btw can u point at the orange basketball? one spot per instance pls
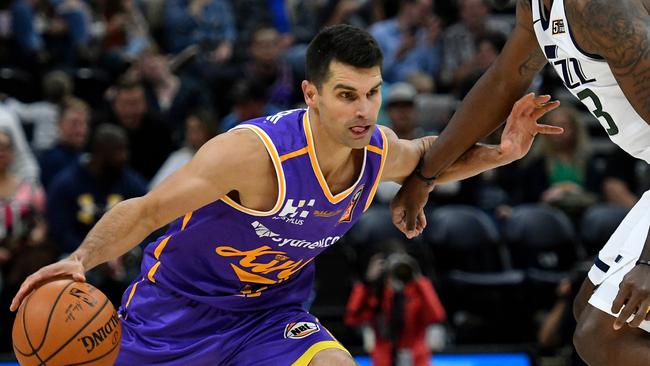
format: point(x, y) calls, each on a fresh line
point(66, 323)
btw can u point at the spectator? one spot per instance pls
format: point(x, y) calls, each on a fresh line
point(126, 33)
point(83, 192)
point(307, 17)
point(250, 101)
point(209, 23)
point(400, 304)
point(200, 126)
point(149, 136)
point(625, 178)
point(555, 334)
point(400, 107)
point(24, 164)
point(410, 42)
point(18, 196)
point(43, 115)
point(22, 242)
point(73, 133)
point(170, 95)
point(562, 172)
point(460, 39)
point(488, 47)
point(249, 14)
point(29, 42)
point(80, 195)
point(266, 66)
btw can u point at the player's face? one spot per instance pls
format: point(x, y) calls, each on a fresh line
point(348, 103)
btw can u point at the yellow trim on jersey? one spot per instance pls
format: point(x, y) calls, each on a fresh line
point(135, 285)
point(186, 220)
point(160, 247)
point(306, 357)
point(384, 153)
point(275, 157)
point(293, 154)
point(152, 271)
point(375, 149)
point(319, 174)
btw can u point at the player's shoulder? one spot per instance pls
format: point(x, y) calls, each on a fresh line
point(384, 137)
point(280, 118)
point(242, 140)
point(387, 133)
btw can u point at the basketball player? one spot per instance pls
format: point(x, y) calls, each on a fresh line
point(225, 285)
point(601, 49)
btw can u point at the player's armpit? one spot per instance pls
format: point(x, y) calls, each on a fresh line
point(619, 31)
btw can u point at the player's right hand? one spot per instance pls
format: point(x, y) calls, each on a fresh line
point(68, 267)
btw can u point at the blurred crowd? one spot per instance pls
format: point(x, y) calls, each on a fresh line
point(100, 100)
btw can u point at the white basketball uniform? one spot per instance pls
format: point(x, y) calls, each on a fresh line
point(590, 79)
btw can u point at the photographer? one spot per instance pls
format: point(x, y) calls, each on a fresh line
point(399, 304)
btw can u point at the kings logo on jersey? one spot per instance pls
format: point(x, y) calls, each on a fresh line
point(347, 214)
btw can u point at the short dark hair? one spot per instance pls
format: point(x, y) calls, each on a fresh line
point(496, 39)
point(344, 43)
point(108, 135)
point(128, 82)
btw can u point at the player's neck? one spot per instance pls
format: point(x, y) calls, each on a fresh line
point(331, 155)
point(547, 4)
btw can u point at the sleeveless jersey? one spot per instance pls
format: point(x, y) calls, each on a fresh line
point(590, 79)
point(239, 259)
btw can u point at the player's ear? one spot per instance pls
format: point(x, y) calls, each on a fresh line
point(310, 92)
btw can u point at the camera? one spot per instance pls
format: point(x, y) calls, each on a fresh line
point(401, 268)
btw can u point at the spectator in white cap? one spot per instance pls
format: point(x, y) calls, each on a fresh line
point(400, 107)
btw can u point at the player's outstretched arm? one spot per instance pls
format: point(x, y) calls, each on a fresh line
point(516, 140)
point(223, 164)
point(492, 97)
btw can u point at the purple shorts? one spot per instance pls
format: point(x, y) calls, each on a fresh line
point(161, 328)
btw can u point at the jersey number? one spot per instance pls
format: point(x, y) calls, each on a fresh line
point(611, 129)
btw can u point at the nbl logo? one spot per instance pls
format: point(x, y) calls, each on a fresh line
point(298, 330)
point(294, 211)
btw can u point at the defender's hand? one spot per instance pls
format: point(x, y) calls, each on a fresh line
point(521, 125)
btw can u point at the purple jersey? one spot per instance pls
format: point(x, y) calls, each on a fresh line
point(238, 259)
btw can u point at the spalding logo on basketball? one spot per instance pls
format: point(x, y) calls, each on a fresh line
point(66, 323)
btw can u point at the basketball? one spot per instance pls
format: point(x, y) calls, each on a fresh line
point(66, 323)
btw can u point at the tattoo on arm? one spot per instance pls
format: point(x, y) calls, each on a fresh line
point(533, 64)
point(618, 29)
point(535, 60)
point(620, 32)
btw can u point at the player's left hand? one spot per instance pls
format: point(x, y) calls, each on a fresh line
point(633, 297)
point(522, 127)
point(407, 207)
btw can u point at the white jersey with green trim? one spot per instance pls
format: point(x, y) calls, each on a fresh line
point(590, 79)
